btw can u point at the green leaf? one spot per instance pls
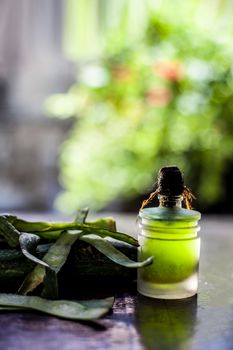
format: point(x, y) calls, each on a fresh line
point(9, 308)
point(73, 310)
point(106, 248)
point(116, 235)
point(28, 243)
point(91, 303)
point(58, 252)
point(50, 290)
point(105, 223)
point(10, 254)
point(49, 230)
point(9, 232)
point(97, 302)
point(81, 215)
point(43, 248)
point(55, 258)
point(32, 280)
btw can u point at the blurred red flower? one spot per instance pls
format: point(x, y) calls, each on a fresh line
point(170, 70)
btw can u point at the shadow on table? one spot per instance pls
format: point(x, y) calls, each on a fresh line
point(166, 324)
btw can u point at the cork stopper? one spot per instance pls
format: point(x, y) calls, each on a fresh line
point(170, 181)
point(170, 189)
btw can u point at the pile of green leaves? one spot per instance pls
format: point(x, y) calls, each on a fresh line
point(24, 237)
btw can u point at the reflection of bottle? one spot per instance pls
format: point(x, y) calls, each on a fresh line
point(169, 234)
point(166, 324)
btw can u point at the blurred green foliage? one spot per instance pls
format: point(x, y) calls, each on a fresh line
point(166, 100)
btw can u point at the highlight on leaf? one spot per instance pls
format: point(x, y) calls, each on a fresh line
point(72, 310)
point(28, 244)
point(106, 248)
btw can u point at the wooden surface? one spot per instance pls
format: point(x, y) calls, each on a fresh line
point(204, 322)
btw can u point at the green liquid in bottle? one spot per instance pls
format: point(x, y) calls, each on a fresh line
point(170, 236)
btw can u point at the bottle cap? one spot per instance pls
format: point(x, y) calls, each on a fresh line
point(170, 181)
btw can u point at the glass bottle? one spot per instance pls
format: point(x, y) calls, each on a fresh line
point(169, 233)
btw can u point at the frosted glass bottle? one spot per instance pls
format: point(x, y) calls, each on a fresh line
point(170, 235)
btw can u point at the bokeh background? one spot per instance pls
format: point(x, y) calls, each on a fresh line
point(97, 95)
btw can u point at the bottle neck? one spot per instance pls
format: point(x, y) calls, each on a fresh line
point(170, 201)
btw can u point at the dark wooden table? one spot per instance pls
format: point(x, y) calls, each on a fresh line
point(202, 322)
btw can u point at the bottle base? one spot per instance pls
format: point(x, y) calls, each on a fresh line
point(181, 290)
